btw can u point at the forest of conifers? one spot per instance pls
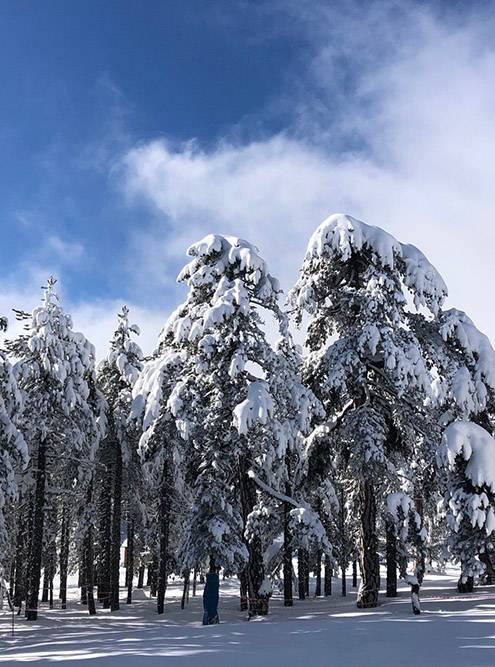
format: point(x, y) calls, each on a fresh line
point(232, 448)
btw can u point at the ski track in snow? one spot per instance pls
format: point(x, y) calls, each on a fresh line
point(452, 631)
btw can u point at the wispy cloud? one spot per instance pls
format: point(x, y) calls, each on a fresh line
point(65, 251)
point(392, 122)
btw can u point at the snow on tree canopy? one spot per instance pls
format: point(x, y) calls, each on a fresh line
point(256, 408)
point(476, 446)
point(236, 273)
point(13, 448)
point(231, 252)
point(340, 236)
point(53, 355)
point(457, 326)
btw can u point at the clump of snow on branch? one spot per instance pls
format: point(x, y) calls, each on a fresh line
point(258, 407)
point(477, 447)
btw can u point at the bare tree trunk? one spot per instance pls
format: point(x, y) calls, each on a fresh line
point(368, 557)
point(195, 575)
point(153, 575)
point(130, 559)
point(34, 571)
point(391, 557)
point(116, 526)
point(140, 581)
point(354, 574)
point(64, 555)
point(185, 589)
point(89, 570)
point(318, 575)
point(105, 530)
point(287, 564)
point(50, 592)
point(164, 537)
point(302, 564)
point(489, 569)
point(420, 565)
point(344, 581)
point(258, 602)
point(343, 555)
point(465, 584)
point(20, 560)
point(12, 578)
point(82, 576)
point(243, 590)
point(44, 594)
point(327, 586)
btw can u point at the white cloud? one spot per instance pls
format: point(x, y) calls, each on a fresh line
point(422, 108)
point(64, 251)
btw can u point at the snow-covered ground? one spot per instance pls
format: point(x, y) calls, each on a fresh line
point(453, 631)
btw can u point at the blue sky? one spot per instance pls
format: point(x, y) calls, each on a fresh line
point(83, 81)
point(130, 129)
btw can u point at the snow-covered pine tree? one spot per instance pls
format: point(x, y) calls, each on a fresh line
point(464, 363)
point(60, 421)
point(286, 515)
point(372, 379)
point(469, 458)
point(222, 391)
point(161, 452)
point(120, 474)
point(13, 455)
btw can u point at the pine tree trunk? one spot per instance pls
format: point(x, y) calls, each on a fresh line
point(354, 574)
point(12, 578)
point(104, 573)
point(44, 594)
point(34, 569)
point(89, 572)
point(301, 572)
point(258, 602)
point(64, 556)
point(195, 576)
point(116, 525)
point(50, 592)
point(327, 586)
point(368, 547)
point(153, 575)
point(130, 559)
point(185, 589)
point(25, 555)
point(287, 563)
point(420, 567)
point(484, 558)
point(391, 557)
point(343, 541)
point(318, 575)
point(465, 584)
point(140, 581)
point(243, 590)
point(164, 537)
point(82, 576)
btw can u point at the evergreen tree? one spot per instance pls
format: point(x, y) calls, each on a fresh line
point(60, 420)
point(120, 474)
point(464, 362)
point(13, 453)
point(372, 380)
point(218, 397)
